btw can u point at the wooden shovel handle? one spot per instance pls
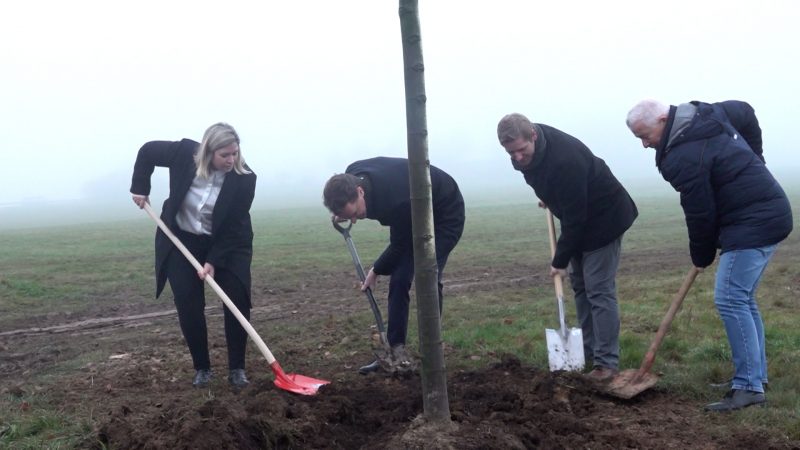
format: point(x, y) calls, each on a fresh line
point(650, 357)
point(210, 280)
point(551, 228)
point(557, 280)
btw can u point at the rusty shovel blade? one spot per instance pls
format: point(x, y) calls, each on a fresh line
point(629, 383)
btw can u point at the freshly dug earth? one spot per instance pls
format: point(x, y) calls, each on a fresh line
point(505, 406)
point(139, 395)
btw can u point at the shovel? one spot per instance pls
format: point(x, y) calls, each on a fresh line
point(362, 276)
point(298, 384)
point(631, 382)
point(390, 360)
point(565, 345)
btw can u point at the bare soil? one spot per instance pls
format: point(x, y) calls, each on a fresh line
point(140, 397)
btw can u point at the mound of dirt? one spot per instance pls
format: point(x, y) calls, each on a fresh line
point(506, 406)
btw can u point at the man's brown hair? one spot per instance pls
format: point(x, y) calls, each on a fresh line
point(340, 190)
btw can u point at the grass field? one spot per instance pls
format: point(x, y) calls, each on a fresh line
point(498, 300)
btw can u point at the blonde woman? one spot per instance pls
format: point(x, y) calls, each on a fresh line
point(208, 209)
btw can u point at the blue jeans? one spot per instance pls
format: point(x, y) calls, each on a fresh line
point(738, 275)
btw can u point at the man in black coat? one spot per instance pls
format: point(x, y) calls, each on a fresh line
point(378, 189)
point(594, 210)
point(712, 155)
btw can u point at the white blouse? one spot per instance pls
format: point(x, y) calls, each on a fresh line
point(196, 211)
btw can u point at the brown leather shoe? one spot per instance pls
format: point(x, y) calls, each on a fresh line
point(602, 374)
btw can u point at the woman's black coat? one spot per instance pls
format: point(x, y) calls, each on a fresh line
point(231, 230)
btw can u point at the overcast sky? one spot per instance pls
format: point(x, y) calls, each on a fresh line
point(313, 85)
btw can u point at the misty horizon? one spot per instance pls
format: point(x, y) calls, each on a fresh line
point(116, 205)
point(312, 86)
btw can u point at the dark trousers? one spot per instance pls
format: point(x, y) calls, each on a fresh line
point(593, 277)
point(400, 285)
point(189, 292)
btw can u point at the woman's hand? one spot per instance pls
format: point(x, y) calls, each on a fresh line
point(140, 200)
point(208, 269)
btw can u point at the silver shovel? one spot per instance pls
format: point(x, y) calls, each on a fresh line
point(565, 345)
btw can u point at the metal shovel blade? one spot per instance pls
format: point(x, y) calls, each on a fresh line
point(630, 383)
point(565, 346)
point(292, 382)
point(565, 352)
point(397, 361)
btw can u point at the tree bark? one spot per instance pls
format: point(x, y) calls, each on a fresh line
point(434, 376)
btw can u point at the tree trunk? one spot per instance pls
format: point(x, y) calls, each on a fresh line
point(434, 376)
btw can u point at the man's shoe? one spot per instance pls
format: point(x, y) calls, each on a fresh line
point(371, 367)
point(737, 399)
point(602, 374)
point(202, 378)
point(237, 378)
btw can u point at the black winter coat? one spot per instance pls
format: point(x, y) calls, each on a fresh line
point(730, 199)
point(579, 189)
point(231, 229)
point(388, 201)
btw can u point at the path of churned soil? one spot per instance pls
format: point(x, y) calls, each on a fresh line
point(140, 396)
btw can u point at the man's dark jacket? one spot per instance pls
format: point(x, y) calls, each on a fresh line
point(387, 197)
point(712, 155)
point(231, 231)
point(579, 188)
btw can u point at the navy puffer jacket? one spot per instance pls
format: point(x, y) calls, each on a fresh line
point(730, 199)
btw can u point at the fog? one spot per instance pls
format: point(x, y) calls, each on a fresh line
point(314, 85)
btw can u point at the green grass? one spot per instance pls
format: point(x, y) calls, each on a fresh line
point(82, 269)
point(28, 422)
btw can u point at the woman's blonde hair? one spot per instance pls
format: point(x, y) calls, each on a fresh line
point(216, 137)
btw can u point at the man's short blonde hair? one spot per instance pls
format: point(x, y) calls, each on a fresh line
point(514, 126)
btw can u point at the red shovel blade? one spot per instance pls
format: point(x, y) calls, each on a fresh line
point(299, 384)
